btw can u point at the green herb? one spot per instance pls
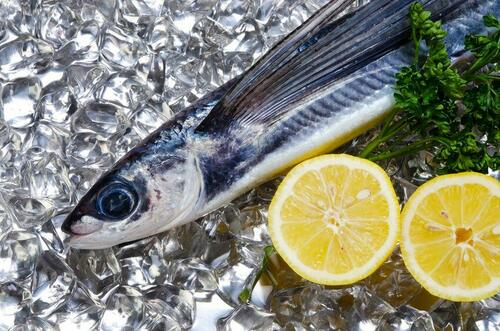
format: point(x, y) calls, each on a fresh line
point(247, 292)
point(437, 108)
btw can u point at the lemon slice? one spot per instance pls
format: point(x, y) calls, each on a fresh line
point(334, 219)
point(451, 236)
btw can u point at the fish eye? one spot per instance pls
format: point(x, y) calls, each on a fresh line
point(116, 201)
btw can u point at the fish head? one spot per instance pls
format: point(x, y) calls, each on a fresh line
point(135, 201)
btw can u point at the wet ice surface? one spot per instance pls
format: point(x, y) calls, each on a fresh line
point(84, 81)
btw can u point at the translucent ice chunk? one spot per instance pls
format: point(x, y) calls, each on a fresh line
point(50, 237)
point(185, 241)
point(5, 221)
point(10, 156)
point(249, 223)
point(488, 315)
point(80, 311)
point(104, 120)
point(171, 301)
point(29, 212)
point(157, 322)
point(183, 20)
point(86, 150)
point(13, 298)
point(18, 100)
point(210, 307)
point(234, 277)
point(393, 282)
point(124, 89)
point(52, 283)
point(121, 145)
point(165, 36)
point(90, 12)
point(57, 105)
point(14, 304)
point(10, 9)
point(43, 139)
point(98, 270)
point(84, 79)
point(83, 47)
point(406, 318)
point(446, 315)
point(83, 178)
point(57, 23)
point(288, 304)
point(264, 9)
point(23, 56)
point(132, 271)
point(18, 253)
point(148, 118)
point(247, 317)
point(367, 310)
point(231, 12)
point(192, 274)
point(140, 12)
point(34, 324)
point(49, 179)
point(119, 48)
point(124, 309)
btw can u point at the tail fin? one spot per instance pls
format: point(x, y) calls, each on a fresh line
point(322, 51)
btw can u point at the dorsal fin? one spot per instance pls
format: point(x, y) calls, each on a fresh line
point(322, 51)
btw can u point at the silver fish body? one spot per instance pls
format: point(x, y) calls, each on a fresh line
point(326, 83)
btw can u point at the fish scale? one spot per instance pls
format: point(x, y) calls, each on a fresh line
point(324, 84)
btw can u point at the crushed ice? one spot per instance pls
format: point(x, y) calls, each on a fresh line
point(84, 81)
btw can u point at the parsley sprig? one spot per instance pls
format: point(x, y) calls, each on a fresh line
point(454, 114)
point(246, 294)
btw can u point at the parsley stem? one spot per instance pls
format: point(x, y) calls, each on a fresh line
point(404, 135)
point(389, 120)
point(416, 43)
point(479, 63)
point(401, 124)
point(398, 140)
point(246, 294)
point(415, 37)
point(384, 135)
point(370, 147)
point(415, 147)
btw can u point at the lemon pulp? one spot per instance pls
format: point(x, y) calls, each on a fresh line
point(335, 219)
point(451, 236)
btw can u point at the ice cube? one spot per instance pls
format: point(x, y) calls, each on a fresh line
point(18, 99)
point(52, 283)
point(124, 310)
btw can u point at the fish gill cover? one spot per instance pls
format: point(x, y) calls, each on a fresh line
point(84, 81)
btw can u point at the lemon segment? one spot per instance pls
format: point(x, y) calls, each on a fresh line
point(334, 219)
point(450, 237)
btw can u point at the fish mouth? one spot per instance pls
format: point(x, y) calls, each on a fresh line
point(84, 235)
point(73, 238)
point(87, 242)
point(76, 225)
point(66, 226)
point(86, 232)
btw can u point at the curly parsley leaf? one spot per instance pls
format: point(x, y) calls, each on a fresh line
point(440, 109)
